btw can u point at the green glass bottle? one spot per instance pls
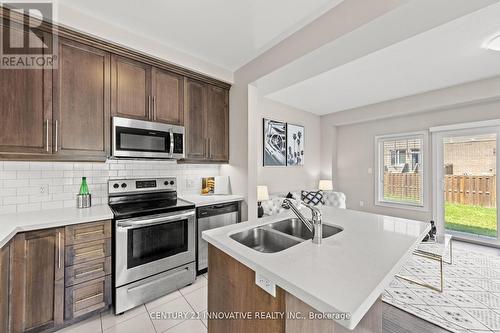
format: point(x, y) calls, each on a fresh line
point(84, 189)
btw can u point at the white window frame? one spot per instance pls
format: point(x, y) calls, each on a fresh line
point(379, 171)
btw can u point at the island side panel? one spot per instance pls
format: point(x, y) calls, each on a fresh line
point(371, 322)
point(231, 289)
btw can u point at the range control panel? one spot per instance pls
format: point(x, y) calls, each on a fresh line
point(141, 185)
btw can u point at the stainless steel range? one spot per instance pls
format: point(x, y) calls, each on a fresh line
point(154, 240)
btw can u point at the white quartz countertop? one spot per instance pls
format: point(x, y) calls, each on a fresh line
point(205, 200)
point(10, 224)
point(347, 273)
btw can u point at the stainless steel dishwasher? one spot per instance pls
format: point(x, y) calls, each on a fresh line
point(211, 217)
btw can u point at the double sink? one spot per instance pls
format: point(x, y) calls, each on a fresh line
point(280, 235)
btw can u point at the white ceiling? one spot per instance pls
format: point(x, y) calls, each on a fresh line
point(222, 32)
point(447, 55)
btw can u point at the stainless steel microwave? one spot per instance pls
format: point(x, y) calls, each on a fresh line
point(145, 139)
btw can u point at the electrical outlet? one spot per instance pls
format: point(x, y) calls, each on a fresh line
point(266, 284)
point(189, 183)
point(44, 189)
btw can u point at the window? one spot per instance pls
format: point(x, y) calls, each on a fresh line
point(400, 170)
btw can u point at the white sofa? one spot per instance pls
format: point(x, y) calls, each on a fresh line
point(274, 205)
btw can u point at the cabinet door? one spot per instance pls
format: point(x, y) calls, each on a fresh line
point(196, 120)
point(130, 88)
point(82, 102)
point(218, 123)
point(4, 288)
point(25, 107)
point(168, 94)
point(37, 280)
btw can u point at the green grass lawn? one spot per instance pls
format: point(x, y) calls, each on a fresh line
point(471, 219)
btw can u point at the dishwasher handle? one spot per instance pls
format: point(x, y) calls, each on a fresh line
point(217, 209)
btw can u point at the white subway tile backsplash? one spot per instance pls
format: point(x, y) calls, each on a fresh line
point(8, 175)
point(21, 183)
point(17, 166)
point(7, 192)
point(41, 165)
point(40, 198)
point(31, 190)
point(116, 166)
point(9, 183)
point(16, 200)
point(52, 174)
point(28, 174)
point(29, 207)
point(52, 205)
point(82, 166)
point(6, 209)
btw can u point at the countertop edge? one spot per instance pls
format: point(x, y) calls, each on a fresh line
point(106, 214)
point(212, 200)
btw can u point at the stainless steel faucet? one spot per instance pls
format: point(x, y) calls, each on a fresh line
point(316, 227)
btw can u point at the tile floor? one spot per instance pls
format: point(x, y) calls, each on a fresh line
point(192, 298)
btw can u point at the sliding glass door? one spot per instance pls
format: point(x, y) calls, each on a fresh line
point(466, 179)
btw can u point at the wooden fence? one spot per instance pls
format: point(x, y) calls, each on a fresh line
point(467, 190)
point(404, 186)
point(471, 190)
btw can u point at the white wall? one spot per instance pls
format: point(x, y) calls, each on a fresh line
point(22, 183)
point(349, 151)
point(242, 168)
point(284, 179)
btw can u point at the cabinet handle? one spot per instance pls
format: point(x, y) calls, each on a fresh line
point(57, 143)
point(149, 107)
point(59, 249)
point(154, 107)
point(209, 148)
point(47, 134)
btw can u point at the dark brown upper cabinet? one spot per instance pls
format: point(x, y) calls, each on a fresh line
point(37, 281)
point(218, 123)
point(207, 122)
point(196, 144)
point(130, 88)
point(144, 92)
point(168, 97)
point(65, 113)
point(81, 102)
point(25, 107)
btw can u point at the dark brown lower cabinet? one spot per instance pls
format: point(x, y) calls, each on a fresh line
point(87, 297)
point(37, 281)
point(88, 270)
point(4, 288)
point(53, 284)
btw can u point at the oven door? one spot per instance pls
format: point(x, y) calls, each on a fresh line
point(150, 245)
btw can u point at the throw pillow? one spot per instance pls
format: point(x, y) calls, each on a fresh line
point(312, 197)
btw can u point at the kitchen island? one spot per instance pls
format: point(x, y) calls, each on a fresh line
point(333, 287)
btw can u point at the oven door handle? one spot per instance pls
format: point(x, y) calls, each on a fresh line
point(154, 221)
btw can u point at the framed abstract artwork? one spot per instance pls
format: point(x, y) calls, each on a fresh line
point(274, 143)
point(295, 145)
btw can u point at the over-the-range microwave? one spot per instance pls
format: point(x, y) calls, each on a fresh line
point(145, 139)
